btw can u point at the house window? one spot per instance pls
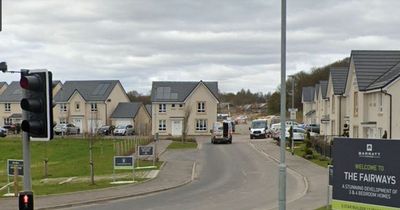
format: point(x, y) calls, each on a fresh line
point(380, 102)
point(333, 104)
point(63, 121)
point(180, 105)
point(63, 107)
point(201, 106)
point(7, 107)
point(77, 106)
point(355, 111)
point(173, 105)
point(93, 107)
point(162, 126)
point(7, 121)
point(162, 108)
point(201, 125)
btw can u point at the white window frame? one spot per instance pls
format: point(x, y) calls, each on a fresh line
point(162, 125)
point(201, 106)
point(8, 121)
point(162, 108)
point(201, 125)
point(63, 107)
point(63, 121)
point(93, 107)
point(7, 107)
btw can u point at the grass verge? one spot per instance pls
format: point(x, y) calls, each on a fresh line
point(324, 208)
point(68, 157)
point(318, 159)
point(182, 145)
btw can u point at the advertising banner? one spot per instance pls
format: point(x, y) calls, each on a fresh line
point(11, 163)
point(366, 174)
point(123, 162)
point(145, 151)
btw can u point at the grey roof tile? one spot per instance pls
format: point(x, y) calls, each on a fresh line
point(177, 91)
point(91, 90)
point(386, 78)
point(372, 64)
point(324, 87)
point(13, 93)
point(339, 79)
point(148, 108)
point(308, 94)
point(126, 110)
point(2, 84)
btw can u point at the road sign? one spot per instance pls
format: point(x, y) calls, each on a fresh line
point(10, 167)
point(293, 110)
point(123, 162)
point(366, 174)
point(145, 151)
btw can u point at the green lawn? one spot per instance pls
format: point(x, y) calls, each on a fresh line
point(68, 157)
point(182, 145)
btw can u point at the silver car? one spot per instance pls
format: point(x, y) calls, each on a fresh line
point(67, 129)
point(124, 130)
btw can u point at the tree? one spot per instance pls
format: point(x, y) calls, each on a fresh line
point(135, 96)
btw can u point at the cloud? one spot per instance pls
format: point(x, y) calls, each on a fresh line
point(234, 42)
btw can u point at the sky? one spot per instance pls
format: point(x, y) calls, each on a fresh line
point(234, 42)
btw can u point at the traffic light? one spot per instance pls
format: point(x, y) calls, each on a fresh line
point(25, 200)
point(37, 102)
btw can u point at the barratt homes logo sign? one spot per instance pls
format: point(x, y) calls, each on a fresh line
point(369, 153)
point(366, 174)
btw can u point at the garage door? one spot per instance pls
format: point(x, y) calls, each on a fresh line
point(122, 122)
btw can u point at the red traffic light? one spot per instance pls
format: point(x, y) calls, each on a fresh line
point(26, 199)
point(31, 82)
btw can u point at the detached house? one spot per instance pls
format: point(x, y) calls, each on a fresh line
point(179, 107)
point(322, 107)
point(88, 104)
point(132, 113)
point(372, 91)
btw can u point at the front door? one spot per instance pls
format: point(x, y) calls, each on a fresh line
point(78, 123)
point(176, 127)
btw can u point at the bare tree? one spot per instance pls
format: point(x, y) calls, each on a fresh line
point(185, 125)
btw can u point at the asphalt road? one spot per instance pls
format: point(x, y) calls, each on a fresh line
point(229, 176)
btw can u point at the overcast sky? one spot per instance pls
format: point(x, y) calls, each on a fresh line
point(234, 42)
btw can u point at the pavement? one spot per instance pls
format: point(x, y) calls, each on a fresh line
point(315, 177)
point(174, 173)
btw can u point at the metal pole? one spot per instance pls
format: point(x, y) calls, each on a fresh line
point(282, 165)
point(292, 111)
point(26, 152)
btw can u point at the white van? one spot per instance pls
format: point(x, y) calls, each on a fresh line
point(221, 132)
point(258, 128)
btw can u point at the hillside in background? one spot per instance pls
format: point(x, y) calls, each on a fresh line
point(301, 79)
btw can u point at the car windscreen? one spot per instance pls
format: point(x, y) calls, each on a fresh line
point(218, 127)
point(258, 124)
point(121, 127)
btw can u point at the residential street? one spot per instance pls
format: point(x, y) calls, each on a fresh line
point(235, 176)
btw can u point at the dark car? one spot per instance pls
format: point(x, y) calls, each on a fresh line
point(105, 130)
point(312, 128)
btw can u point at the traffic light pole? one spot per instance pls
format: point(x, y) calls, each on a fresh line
point(26, 151)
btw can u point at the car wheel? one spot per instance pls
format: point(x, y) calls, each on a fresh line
point(251, 137)
point(265, 136)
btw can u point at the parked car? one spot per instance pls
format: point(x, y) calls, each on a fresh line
point(258, 128)
point(124, 130)
point(3, 132)
point(11, 128)
point(105, 130)
point(312, 128)
point(66, 129)
point(222, 132)
point(298, 134)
